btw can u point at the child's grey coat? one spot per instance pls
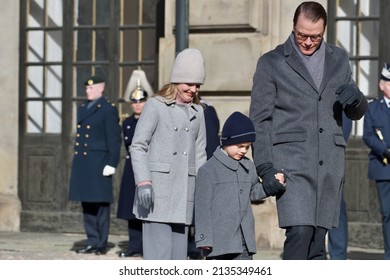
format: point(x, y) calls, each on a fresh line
point(224, 189)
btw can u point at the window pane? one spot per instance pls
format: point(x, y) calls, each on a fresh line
point(84, 12)
point(130, 12)
point(35, 81)
point(346, 8)
point(54, 46)
point(35, 41)
point(102, 44)
point(54, 10)
point(34, 117)
point(148, 49)
point(369, 41)
point(83, 45)
point(36, 17)
point(53, 117)
point(149, 11)
point(369, 77)
point(102, 12)
point(369, 7)
point(346, 37)
point(54, 81)
point(129, 45)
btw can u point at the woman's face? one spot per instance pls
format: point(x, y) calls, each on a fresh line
point(186, 93)
point(137, 107)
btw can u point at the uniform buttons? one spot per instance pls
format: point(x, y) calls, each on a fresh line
point(321, 130)
point(126, 137)
point(85, 153)
point(86, 135)
point(78, 126)
point(184, 153)
point(127, 157)
point(88, 126)
point(76, 152)
point(78, 135)
point(77, 143)
point(186, 129)
point(321, 162)
point(175, 128)
point(128, 127)
point(85, 145)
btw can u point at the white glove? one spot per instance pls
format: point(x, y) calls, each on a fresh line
point(108, 170)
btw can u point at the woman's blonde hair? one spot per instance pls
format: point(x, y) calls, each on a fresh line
point(169, 91)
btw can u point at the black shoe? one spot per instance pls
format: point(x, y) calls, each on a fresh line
point(86, 250)
point(100, 251)
point(127, 254)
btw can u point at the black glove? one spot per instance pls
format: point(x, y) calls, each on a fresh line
point(271, 185)
point(386, 154)
point(348, 95)
point(145, 195)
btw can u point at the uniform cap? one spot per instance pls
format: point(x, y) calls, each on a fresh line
point(385, 74)
point(93, 80)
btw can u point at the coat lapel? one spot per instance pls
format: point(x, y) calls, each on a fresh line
point(328, 67)
point(85, 113)
point(295, 62)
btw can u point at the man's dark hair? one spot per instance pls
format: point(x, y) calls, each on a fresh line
point(312, 10)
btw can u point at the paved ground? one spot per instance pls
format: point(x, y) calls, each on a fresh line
point(62, 246)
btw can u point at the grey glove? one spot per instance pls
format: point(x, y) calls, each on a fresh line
point(348, 95)
point(271, 185)
point(145, 195)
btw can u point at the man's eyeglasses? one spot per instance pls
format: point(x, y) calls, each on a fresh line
point(303, 37)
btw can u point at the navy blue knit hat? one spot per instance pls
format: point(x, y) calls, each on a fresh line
point(237, 129)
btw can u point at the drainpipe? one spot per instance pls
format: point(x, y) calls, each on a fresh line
point(182, 24)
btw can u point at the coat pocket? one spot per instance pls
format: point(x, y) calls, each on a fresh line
point(163, 167)
point(339, 140)
point(289, 137)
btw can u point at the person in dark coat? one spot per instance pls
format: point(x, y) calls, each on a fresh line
point(300, 90)
point(225, 186)
point(96, 156)
point(127, 190)
point(376, 135)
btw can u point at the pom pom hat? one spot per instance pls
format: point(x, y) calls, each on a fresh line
point(188, 68)
point(237, 129)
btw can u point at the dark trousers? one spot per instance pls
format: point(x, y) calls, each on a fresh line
point(304, 243)
point(135, 236)
point(96, 223)
point(338, 237)
point(383, 189)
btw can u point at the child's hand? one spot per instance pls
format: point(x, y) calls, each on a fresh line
point(205, 248)
point(280, 177)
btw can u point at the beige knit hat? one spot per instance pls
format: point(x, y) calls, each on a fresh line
point(188, 68)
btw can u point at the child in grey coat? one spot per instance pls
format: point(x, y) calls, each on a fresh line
point(225, 186)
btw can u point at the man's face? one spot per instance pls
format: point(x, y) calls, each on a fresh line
point(94, 91)
point(237, 151)
point(385, 88)
point(308, 34)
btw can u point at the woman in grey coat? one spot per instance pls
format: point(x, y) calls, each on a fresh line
point(169, 146)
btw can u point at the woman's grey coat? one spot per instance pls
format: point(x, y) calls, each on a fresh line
point(224, 190)
point(298, 129)
point(169, 146)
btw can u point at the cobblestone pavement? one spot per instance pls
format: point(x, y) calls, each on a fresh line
point(62, 246)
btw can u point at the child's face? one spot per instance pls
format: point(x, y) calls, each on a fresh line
point(237, 151)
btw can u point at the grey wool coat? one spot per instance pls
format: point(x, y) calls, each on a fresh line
point(224, 190)
point(299, 129)
point(169, 145)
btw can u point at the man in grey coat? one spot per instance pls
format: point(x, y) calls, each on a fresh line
point(299, 92)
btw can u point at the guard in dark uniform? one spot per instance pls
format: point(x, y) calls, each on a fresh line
point(376, 135)
point(96, 156)
point(137, 100)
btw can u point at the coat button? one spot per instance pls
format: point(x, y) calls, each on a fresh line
point(78, 126)
point(128, 127)
point(86, 135)
point(186, 129)
point(88, 126)
point(77, 143)
point(184, 153)
point(85, 153)
point(174, 153)
point(126, 137)
point(78, 135)
point(76, 152)
point(241, 191)
point(175, 128)
point(321, 162)
point(127, 157)
point(321, 130)
point(85, 145)
point(201, 236)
